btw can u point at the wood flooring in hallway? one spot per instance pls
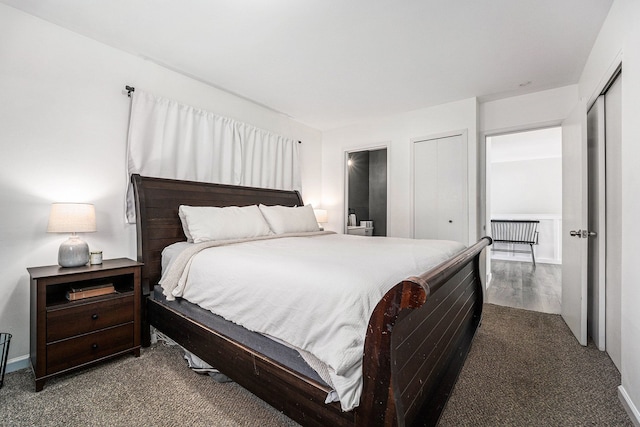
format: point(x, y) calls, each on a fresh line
point(520, 285)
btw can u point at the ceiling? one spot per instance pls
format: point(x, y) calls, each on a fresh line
point(328, 63)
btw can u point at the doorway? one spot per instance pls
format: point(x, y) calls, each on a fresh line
point(366, 194)
point(524, 184)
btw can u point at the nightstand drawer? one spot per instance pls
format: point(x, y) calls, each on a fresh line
point(76, 351)
point(80, 319)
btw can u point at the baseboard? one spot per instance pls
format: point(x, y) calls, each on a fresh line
point(17, 363)
point(525, 259)
point(628, 405)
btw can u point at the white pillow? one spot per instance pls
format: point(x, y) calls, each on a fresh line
point(284, 219)
point(183, 220)
point(204, 223)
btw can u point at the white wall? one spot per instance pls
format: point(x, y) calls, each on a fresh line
point(529, 189)
point(396, 132)
point(63, 127)
point(526, 186)
point(534, 110)
point(619, 38)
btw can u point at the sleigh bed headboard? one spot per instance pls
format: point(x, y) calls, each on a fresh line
point(157, 221)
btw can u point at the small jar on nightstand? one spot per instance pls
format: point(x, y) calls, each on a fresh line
point(95, 257)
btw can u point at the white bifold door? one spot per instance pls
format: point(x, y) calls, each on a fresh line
point(441, 208)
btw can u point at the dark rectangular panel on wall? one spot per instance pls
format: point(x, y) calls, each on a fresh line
point(378, 191)
point(359, 185)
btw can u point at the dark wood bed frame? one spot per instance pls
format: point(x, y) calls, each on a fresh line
point(417, 340)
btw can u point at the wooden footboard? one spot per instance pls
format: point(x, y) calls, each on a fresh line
point(417, 340)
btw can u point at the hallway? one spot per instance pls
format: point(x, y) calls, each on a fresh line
point(520, 285)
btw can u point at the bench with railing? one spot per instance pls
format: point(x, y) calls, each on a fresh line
point(515, 232)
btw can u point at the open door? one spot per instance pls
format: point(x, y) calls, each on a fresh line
point(574, 222)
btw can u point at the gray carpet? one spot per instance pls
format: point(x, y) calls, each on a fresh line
point(525, 369)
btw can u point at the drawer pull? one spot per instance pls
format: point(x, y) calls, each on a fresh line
point(94, 316)
point(94, 346)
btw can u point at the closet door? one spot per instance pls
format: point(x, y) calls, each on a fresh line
point(440, 189)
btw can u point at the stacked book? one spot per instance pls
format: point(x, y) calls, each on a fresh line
point(91, 291)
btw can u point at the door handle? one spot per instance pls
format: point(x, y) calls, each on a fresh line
point(582, 234)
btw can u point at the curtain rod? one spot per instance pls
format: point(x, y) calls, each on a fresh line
point(130, 89)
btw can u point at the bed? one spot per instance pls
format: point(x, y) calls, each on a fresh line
point(416, 340)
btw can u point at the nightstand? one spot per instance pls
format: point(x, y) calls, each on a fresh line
point(67, 335)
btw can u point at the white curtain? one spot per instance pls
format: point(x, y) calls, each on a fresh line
point(170, 140)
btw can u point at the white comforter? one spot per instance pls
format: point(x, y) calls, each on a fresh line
point(315, 293)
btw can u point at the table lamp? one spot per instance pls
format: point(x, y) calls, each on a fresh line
point(321, 217)
point(72, 218)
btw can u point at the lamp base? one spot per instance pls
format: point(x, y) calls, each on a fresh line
point(73, 252)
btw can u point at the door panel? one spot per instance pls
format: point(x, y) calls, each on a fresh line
point(574, 218)
point(452, 197)
point(441, 208)
point(426, 193)
point(596, 244)
point(613, 124)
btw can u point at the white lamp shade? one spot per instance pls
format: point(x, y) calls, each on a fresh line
point(321, 215)
point(72, 218)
